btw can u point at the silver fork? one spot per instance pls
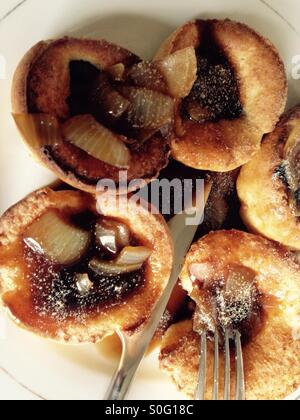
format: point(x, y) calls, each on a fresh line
point(134, 348)
point(239, 368)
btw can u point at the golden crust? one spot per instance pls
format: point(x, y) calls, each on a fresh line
point(19, 84)
point(276, 347)
point(43, 78)
point(266, 206)
point(259, 69)
point(263, 92)
point(133, 311)
point(145, 166)
point(45, 71)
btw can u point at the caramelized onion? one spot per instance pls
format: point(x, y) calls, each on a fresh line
point(87, 134)
point(133, 255)
point(122, 234)
point(131, 259)
point(197, 112)
point(146, 74)
point(106, 268)
point(292, 164)
point(83, 283)
point(112, 235)
point(200, 272)
point(38, 130)
point(180, 71)
point(57, 239)
point(117, 72)
point(149, 109)
point(107, 100)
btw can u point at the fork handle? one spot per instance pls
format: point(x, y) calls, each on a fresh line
point(133, 350)
point(120, 383)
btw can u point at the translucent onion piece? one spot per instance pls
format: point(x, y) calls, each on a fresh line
point(133, 255)
point(87, 134)
point(240, 279)
point(123, 234)
point(105, 268)
point(117, 72)
point(39, 130)
point(201, 272)
point(149, 109)
point(147, 75)
point(57, 239)
point(180, 71)
point(197, 112)
point(112, 235)
point(83, 283)
point(108, 100)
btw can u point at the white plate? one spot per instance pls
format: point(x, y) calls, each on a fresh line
point(31, 368)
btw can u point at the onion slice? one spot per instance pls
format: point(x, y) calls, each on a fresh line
point(131, 259)
point(133, 255)
point(107, 100)
point(38, 130)
point(180, 71)
point(146, 74)
point(54, 237)
point(117, 72)
point(112, 235)
point(87, 134)
point(149, 109)
point(83, 283)
point(106, 268)
point(197, 112)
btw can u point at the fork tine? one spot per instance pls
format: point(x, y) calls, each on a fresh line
point(216, 368)
point(227, 367)
point(200, 391)
point(239, 369)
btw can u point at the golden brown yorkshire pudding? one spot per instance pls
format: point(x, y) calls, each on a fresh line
point(269, 185)
point(239, 93)
point(245, 282)
point(72, 275)
point(89, 109)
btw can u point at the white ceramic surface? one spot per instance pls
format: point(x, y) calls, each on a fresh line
point(31, 368)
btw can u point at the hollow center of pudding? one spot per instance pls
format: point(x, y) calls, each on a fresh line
point(89, 88)
point(71, 268)
point(232, 302)
point(215, 94)
point(114, 125)
point(83, 76)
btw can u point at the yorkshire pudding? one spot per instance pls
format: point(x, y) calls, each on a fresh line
point(238, 96)
point(72, 275)
point(77, 108)
point(249, 283)
point(269, 185)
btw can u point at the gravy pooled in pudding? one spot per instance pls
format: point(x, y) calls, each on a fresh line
point(72, 268)
point(215, 94)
